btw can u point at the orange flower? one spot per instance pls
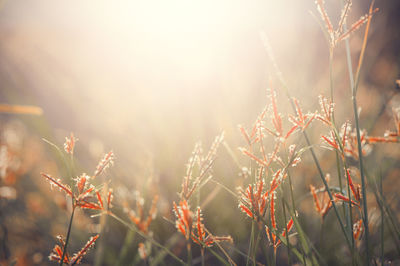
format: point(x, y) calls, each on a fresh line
point(184, 217)
point(253, 201)
point(358, 229)
point(143, 222)
point(339, 196)
point(105, 163)
point(324, 204)
point(202, 237)
point(69, 144)
point(272, 237)
point(389, 136)
point(302, 120)
point(58, 251)
point(327, 107)
point(85, 193)
point(191, 183)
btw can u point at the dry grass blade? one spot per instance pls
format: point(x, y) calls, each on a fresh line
point(21, 109)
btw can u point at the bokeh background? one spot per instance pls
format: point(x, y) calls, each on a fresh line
point(148, 79)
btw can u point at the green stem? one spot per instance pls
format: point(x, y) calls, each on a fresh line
point(68, 235)
point(250, 243)
point(291, 191)
point(355, 109)
point(287, 234)
point(363, 183)
point(331, 74)
point(126, 247)
point(327, 189)
point(256, 245)
point(202, 257)
point(338, 168)
point(382, 221)
point(189, 253)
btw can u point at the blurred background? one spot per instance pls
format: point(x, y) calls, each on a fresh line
point(147, 79)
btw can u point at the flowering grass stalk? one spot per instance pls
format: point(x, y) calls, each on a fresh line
point(355, 110)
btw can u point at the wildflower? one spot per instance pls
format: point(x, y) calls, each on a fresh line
point(335, 36)
point(58, 251)
point(245, 134)
point(139, 218)
point(86, 192)
point(355, 190)
point(293, 157)
point(351, 145)
point(341, 197)
point(389, 136)
point(324, 204)
point(276, 117)
point(259, 161)
point(201, 237)
point(105, 163)
point(142, 251)
point(356, 25)
point(69, 144)
point(358, 229)
point(256, 126)
point(184, 217)
point(326, 113)
point(190, 183)
point(324, 15)
point(339, 143)
point(302, 120)
point(253, 201)
point(272, 209)
point(272, 237)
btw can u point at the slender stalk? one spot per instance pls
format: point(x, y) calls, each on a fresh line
point(68, 235)
point(256, 246)
point(250, 243)
point(350, 210)
point(338, 168)
point(189, 252)
point(327, 190)
point(350, 225)
point(363, 183)
point(126, 247)
point(331, 75)
point(381, 200)
point(321, 236)
point(382, 221)
point(350, 216)
point(360, 156)
point(291, 191)
point(287, 234)
point(202, 257)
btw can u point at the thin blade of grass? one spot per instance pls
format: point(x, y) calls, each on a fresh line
point(360, 156)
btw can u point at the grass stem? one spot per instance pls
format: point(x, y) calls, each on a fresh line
point(360, 155)
point(68, 236)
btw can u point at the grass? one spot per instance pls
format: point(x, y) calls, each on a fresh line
point(281, 224)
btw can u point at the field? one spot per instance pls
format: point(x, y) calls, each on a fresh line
point(199, 132)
